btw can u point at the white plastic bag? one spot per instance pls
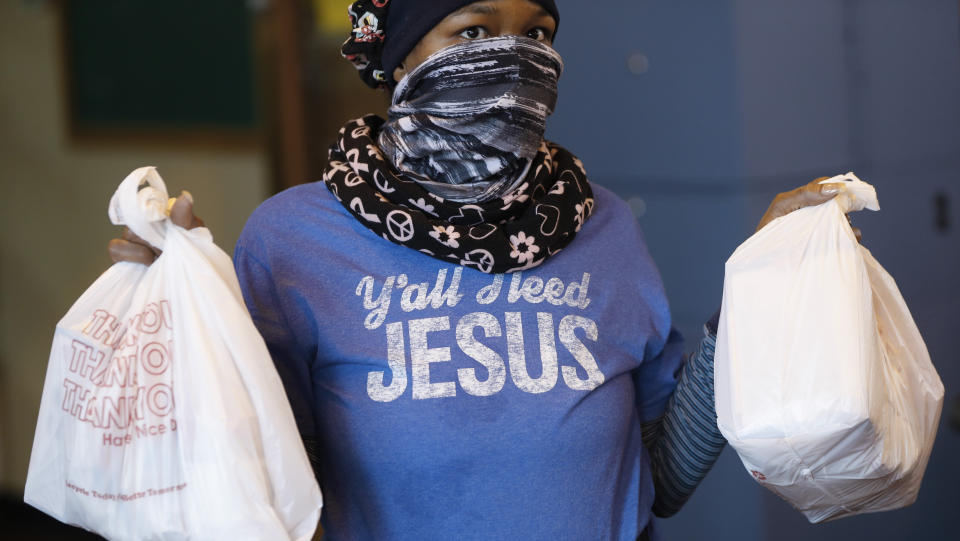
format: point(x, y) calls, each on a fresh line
point(162, 415)
point(823, 384)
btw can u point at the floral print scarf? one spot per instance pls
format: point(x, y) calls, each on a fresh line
point(517, 231)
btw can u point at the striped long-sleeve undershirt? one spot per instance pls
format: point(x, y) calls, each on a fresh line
point(685, 442)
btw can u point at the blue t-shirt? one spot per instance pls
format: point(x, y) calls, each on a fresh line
point(450, 404)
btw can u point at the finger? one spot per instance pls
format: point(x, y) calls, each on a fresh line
point(767, 216)
point(181, 213)
point(815, 193)
point(811, 194)
point(782, 205)
point(124, 250)
point(856, 230)
point(130, 236)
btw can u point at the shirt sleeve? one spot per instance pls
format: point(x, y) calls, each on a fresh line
point(685, 442)
point(290, 355)
point(656, 378)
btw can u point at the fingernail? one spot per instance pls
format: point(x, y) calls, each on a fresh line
point(188, 195)
point(830, 189)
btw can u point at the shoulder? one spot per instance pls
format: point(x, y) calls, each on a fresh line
point(292, 205)
point(306, 222)
point(610, 206)
point(613, 221)
point(614, 235)
point(302, 208)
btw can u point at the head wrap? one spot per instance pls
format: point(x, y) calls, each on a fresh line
point(385, 31)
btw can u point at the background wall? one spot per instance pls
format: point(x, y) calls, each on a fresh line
point(700, 112)
point(53, 211)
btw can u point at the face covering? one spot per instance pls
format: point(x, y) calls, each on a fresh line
point(467, 123)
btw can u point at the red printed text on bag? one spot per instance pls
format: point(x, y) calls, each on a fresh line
point(117, 376)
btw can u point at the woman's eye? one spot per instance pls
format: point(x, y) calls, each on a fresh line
point(539, 34)
point(474, 32)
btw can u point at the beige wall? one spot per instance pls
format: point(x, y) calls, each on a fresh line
point(53, 221)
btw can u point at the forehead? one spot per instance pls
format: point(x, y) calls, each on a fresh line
point(495, 7)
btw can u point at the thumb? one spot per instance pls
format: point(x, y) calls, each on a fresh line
point(821, 193)
point(181, 212)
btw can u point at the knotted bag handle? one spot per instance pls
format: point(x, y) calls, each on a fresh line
point(141, 210)
point(856, 194)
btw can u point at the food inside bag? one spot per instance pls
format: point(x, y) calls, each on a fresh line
point(162, 415)
point(823, 383)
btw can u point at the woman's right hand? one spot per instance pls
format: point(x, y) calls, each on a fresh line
point(132, 248)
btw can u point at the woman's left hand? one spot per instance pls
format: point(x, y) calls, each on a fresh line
point(809, 195)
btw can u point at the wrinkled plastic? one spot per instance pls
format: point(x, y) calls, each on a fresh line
point(855, 195)
point(162, 415)
point(823, 384)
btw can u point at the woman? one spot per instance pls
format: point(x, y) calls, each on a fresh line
point(474, 339)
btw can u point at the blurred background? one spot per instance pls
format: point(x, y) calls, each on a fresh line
point(697, 112)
